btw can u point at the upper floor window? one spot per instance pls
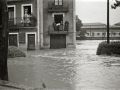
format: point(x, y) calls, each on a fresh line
point(26, 10)
point(58, 2)
point(12, 14)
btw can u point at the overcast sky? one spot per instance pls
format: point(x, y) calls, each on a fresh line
point(96, 11)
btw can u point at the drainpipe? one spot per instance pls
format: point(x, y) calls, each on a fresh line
point(74, 23)
point(38, 25)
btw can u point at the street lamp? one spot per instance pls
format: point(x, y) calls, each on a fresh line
point(108, 21)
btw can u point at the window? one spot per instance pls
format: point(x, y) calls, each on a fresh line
point(114, 33)
point(92, 34)
point(12, 14)
point(26, 14)
point(103, 34)
point(59, 21)
point(87, 34)
point(58, 2)
point(98, 34)
point(26, 10)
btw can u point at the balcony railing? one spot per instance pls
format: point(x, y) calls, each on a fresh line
point(57, 30)
point(25, 22)
point(58, 8)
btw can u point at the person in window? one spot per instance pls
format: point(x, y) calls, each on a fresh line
point(27, 18)
point(54, 25)
point(66, 26)
point(61, 26)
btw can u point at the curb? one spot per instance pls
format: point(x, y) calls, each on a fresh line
point(17, 86)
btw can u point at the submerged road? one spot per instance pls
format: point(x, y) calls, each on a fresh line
point(67, 69)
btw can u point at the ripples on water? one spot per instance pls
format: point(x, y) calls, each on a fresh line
point(71, 69)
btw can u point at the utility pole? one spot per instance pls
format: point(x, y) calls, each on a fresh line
point(108, 41)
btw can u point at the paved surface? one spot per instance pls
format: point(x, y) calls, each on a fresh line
point(67, 69)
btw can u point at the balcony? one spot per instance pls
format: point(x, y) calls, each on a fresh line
point(58, 8)
point(29, 22)
point(57, 30)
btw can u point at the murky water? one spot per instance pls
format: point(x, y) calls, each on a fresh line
point(67, 69)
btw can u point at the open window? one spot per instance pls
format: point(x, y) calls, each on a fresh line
point(58, 18)
point(27, 10)
point(26, 14)
point(59, 21)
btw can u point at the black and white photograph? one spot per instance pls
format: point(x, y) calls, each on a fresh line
point(59, 44)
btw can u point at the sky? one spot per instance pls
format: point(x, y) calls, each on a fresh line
point(91, 11)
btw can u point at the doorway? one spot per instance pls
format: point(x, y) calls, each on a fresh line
point(58, 18)
point(57, 41)
point(31, 42)
point(13, 40)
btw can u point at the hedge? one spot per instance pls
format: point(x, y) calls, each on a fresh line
point(108, 48)
point(15, 52)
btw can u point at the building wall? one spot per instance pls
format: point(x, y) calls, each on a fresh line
point(23, 30)
point(18, 6)
point(48, 20)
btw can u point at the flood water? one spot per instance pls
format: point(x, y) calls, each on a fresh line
point(67, 69)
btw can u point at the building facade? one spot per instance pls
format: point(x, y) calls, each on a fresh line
point(98, 31)
point(23, 23)
point(42, 23)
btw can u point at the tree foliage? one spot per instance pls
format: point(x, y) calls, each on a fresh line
point(78, 24)
point(79, 30)
point(116, 4)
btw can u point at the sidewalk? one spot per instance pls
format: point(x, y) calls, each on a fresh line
point(6, 85)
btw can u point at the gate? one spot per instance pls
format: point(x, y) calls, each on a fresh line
point(57, 41)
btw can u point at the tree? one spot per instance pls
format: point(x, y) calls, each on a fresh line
point(3, 40)
point(116, 4)
point(78, 24)
point(79, 30)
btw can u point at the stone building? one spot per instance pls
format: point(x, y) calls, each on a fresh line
point(23, 23)
point(31, 23)
point(59, 35)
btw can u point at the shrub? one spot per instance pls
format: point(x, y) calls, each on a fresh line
point(108, 48)
point(15, 52)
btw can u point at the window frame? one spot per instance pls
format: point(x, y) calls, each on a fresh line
point(14, 6)
point(22, 9)
point(58, 4)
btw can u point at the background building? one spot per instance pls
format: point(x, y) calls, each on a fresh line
point(98, 31)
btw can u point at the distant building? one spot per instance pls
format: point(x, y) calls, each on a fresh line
point(98, 31)
point(31, 23)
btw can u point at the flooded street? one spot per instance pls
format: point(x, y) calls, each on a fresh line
point(67, 69)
